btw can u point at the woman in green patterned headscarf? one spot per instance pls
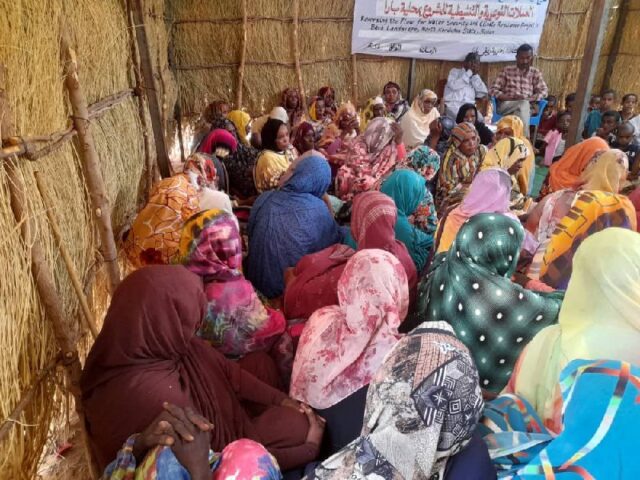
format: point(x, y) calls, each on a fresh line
point(470, 287)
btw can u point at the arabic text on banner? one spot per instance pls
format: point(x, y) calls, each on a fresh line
point(441, 30)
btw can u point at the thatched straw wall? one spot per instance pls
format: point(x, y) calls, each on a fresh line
point(30, 33)
point(206, 43)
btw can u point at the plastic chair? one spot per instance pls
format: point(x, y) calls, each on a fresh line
point(533, 121)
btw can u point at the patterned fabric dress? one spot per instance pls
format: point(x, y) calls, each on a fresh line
point(242, 457)
point(422, 407)
point(236, 321)
point(600, 414)
point(470, 287)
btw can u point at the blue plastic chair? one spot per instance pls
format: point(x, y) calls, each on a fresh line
point(533, 121)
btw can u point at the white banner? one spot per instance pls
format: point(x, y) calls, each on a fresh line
point(438, 30)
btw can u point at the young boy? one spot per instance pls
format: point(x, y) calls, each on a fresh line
point(609, 123)
point(554, 142)
point(628, 112)
point(594, 103)
point(594, 119)
point(625, 141)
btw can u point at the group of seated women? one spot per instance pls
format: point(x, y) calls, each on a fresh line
point(333, 294)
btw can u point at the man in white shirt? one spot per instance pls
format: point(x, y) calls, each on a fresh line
point(464, 85)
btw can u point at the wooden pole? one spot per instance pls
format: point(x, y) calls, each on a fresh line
point(296, 49)
point(243, 55)
point(142, 107)
point(91, 164)
point(177, 116)
point(620, 26)
point(90, 321)
point(411, 80)
point(595, 37)
point(354, 80)
point(149, 88)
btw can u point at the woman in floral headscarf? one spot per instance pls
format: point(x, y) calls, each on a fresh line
point(460, 164)
point(236, 322)
point(343, 345)
point(425, 162)
point(415, 124)
point(372, 156)
point(155, 233)
point(339, 135)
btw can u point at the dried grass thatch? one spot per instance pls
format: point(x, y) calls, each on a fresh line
point(208, 70)
point(30, 52)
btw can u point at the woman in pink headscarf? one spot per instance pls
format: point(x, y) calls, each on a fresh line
point(490, 192)
point(343, 345)
point(313, 283)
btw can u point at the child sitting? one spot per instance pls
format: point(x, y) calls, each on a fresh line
point(609, 123)
point(548, 120)
point(625, 141)
point(594, 119)
point(554, 142)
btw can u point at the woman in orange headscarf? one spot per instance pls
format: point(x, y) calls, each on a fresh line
point(566, 172)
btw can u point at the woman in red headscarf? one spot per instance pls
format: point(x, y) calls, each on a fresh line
point(148, 353)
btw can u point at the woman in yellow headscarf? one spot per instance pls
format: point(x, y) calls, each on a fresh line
point(241, 120)
point(510, 154)
point(512, 126)
point(598, 320)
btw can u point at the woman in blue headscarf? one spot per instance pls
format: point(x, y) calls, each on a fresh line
point(289, 223)
point(408, 189)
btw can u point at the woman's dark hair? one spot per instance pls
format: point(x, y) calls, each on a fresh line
point(624, 99)
point(463, 111)
point(269, 134)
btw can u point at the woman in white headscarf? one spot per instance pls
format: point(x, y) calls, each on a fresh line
point(415, 124)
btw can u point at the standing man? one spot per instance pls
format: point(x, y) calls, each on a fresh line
point(519, 84)
point(464, 85)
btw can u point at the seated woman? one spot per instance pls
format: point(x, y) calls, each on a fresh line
point(599, 401)
point(343, 345)
point(218, 145)
point(395, 106)
point(470, 287)
point(425, 162)
point(605, 172)
point(599, 320)
point(415, 124)
point(239, 164)
point(469, 113)
point(319, 116)
point(328, 94)
point(275, 157)
point(304, 138)
point(155, 233)
point(338, 135)
point(313, 282)
point(408, 190)
point(512, 126)
point(236, 322)
point(422, 408)
point(460, 164)
point(292, 103)
point(439, 134)
point(371, 157)
point(594, 207)
point(509, 154)
point(489, 192)
point(162, 453)
point(148, 354)
point(566, 172)
point(373, 109)
point(242, 125)
point(289, 223)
